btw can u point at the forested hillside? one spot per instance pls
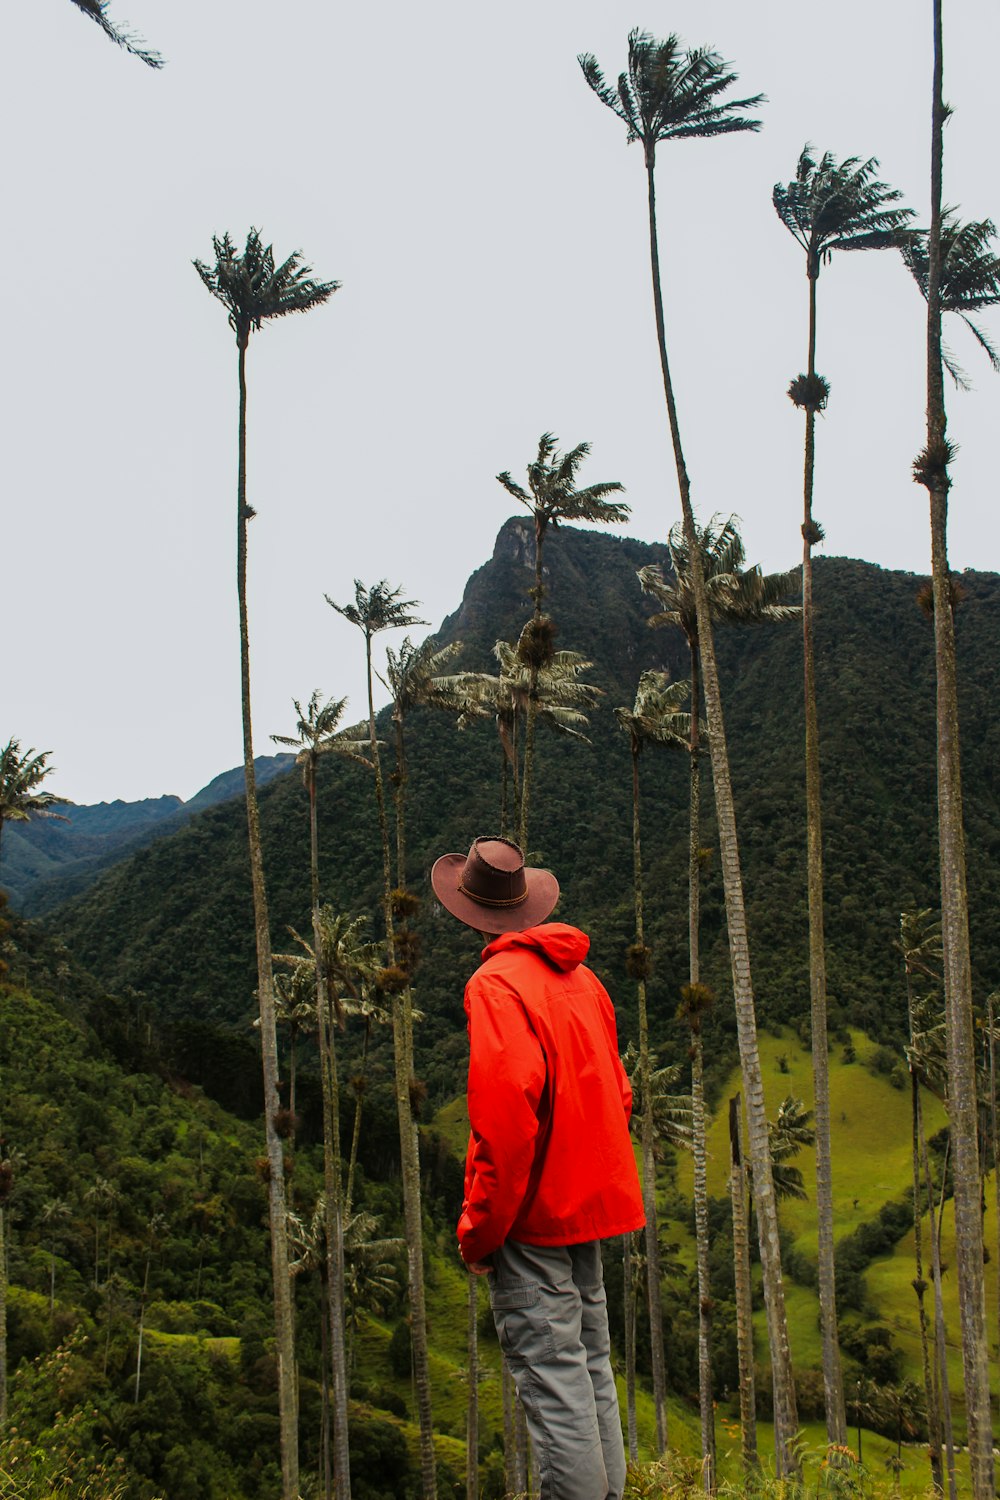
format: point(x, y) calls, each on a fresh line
point(174, 922)
point(48, 860)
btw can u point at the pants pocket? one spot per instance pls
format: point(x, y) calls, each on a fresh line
point(523, 1329)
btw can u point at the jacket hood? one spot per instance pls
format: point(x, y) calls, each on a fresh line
point(562, 945)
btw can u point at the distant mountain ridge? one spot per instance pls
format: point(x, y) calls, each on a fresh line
point(48, 860)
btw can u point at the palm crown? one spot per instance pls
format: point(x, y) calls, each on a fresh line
point(378, 608)
point(839, 206)
point(554, 496)
point(734, 593)
point(318, 733)
point(970, 275)
point(21, 775)
point(416, 676)
point(656, 717)
point(668, 93)
point(253, 288)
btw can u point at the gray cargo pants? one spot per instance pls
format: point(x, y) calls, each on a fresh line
point(551, 1314)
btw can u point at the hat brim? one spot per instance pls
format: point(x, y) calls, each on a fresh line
point(543, 893)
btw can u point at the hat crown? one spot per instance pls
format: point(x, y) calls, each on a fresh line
point(494, 873)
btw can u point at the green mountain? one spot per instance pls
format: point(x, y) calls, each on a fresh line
point(48, 860)
point(174, 921)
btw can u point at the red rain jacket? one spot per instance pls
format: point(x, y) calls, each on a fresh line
point(550, 1160)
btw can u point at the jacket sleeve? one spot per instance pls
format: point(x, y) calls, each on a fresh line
point(506, 1080)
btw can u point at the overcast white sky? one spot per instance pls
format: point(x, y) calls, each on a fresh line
point(448, 164)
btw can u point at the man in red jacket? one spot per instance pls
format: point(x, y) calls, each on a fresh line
point(550, 1170)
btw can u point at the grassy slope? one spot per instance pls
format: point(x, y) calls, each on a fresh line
point(870, 1127)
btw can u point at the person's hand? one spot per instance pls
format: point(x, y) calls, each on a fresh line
point(479, 1267)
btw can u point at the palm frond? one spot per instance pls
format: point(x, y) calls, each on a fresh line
point(97, 10)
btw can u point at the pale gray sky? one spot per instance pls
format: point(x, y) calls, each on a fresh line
point(448, 164)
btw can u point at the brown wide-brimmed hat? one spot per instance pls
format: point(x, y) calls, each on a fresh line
point(492, 890)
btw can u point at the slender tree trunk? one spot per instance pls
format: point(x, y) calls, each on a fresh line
point(333, 1200)
point(996, 1159)
point(402, 778)
point(142, 1320)
point(744, 1295)
point(940, 1333)
point(920, 1287)
point(532, 712)
point(628, 1299)
point(472, 1419)
point(325, 1466)
point(359, 1087)
point(785, 1414)
point(408, 1148)
point(503, 792)
point(508, 1399)
point(705, 1403)
point(653, 1291)
point(833, 1388)
point(284, 1336)
point(52, 1282)
point(962, 1103)
point(520, 1449)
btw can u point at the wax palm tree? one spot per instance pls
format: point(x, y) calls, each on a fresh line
point(416, 678)
point(829, 207)
point(553, 496)
point(97, 10)
point(21, 777)
point(346, 962)
point(254, 289)
point(295, 1012)
point(155, 1231)
point(969, 278)
point(667, 93)
point(373, 611)
point(655, 718)
point(736, 594)
point(931, 470)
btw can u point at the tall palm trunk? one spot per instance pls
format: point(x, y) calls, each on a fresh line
point(653, 1292)
point(954, 900)
point(360, 1083)
point(833, 1387)
point(744, 1293)
point(628, 1299)
point(284, 1333)
point(785, 1415)
point(996, 1142)
point(705, 1402)
point(334, 1232)
point(408, 1147)
point(472, 1420)
point(532, 711)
